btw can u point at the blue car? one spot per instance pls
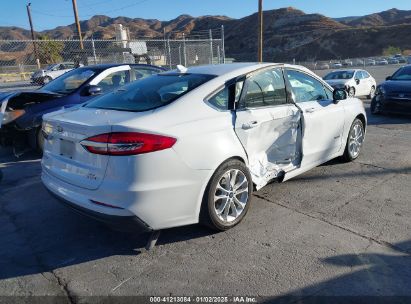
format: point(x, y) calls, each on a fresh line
point(21, 112)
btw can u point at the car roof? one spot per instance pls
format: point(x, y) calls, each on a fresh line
point(104, 66)
point(238, 68)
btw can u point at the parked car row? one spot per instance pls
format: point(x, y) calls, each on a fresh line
point(396, 59)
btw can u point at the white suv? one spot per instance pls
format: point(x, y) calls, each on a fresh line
point(356, 82)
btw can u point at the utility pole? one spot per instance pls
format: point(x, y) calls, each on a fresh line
point(260, 30)
point(32, 35)
point(77, 23)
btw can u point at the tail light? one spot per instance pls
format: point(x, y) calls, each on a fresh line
point(127, 143)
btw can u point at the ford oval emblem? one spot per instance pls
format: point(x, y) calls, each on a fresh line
point(59, 129)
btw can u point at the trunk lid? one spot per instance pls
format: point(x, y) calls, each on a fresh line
point(64, 157)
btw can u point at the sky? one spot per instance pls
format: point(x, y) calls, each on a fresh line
point(48, 14)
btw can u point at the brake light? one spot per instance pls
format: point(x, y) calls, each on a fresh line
point(127, 143)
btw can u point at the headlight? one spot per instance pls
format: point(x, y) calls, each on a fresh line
point(47, 129)
point(380, 90)
point(10, 116)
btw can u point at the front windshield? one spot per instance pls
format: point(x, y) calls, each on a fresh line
point(69, 81)
point(150, 93)
point(402, 74)
point(339, 75)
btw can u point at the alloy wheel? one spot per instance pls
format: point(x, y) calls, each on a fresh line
point(356, 139)
point(372, 93)
point(231, 195)
point(351, 92)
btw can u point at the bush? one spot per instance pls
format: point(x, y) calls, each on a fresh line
point(391, 50)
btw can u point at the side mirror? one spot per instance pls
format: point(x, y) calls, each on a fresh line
point(388, 78)
point(357, 81)
point(339, 94)
point(94, 90)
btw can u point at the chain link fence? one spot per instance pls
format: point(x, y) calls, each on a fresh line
point(20, 58)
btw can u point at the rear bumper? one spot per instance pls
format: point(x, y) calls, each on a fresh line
point(166, 195)
point(127, 223)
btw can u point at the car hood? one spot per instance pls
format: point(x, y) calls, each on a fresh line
point(397, 86)
point(21, 99)
point(333, 82)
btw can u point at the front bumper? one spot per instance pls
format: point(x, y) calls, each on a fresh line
point(9, 134)
point(37, 80)
point(394, 105)
point(12, 135)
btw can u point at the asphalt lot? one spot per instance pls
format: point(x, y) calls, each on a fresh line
point(340, 229)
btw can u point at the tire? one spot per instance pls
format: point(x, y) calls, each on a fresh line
point(351, 92)
point(213, 213)
point(355, 141)
point(374, 107)
point(47, 79)
point(372, 93)
point(39, 141)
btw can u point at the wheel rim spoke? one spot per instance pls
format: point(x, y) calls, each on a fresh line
point(355, 140)
point(231, 195)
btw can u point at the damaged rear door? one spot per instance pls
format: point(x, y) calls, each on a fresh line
point(268, 126)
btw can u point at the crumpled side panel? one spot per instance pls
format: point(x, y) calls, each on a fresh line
point(266, 165)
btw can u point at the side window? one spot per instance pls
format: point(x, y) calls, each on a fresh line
point(305, 87)
point(365, 74)
point(220, 99)
point(266, 88)
point(358, 75)
point(140, 73)
point(114, 80)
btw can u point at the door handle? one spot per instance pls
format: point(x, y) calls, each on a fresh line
point(250, 125)
point(310, 110)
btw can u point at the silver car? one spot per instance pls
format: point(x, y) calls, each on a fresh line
point(51, 72)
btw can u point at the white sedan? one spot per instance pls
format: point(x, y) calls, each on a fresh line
point(356, 82)
point(189, 145)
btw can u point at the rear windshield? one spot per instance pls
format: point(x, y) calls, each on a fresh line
point(339, 75)
point(150, 93)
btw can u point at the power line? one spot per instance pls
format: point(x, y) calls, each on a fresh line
point(88, 15)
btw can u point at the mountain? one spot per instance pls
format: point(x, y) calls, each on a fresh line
point(288, 33)
point(385, 18)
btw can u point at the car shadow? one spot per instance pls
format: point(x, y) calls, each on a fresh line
point(39, 235)
point(371, 277)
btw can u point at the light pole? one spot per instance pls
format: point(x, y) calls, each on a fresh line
point(77, 23)
point(260, 30)
point(32, 35)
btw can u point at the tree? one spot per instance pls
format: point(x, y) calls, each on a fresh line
point(49, 51)
point(391, 50)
